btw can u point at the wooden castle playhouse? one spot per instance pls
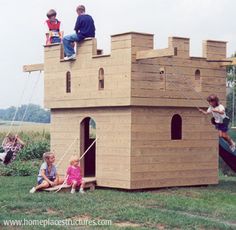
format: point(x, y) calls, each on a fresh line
point(143, 102)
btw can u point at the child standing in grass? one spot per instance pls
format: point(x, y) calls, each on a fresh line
point(220, 120)
point(73, 175)
point(47, 173)
point(11, 146)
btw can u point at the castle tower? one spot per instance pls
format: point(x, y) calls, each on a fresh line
point(143, 102)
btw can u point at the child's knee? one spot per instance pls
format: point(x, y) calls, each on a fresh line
point(74, 182)
point(45, 184)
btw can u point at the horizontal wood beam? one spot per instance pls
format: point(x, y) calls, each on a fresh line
point(33, 67)
point(225, 62)
point(145, 54)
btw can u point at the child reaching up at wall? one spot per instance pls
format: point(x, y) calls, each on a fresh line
point(53, 26)
point(220, 120)
point(73, 175)
point(47, 176)
point(11, 145)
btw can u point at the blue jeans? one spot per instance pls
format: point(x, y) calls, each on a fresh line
point(67, 40)
point(55, 40)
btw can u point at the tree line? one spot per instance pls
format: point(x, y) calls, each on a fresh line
point(231, 83)
point(29, 113)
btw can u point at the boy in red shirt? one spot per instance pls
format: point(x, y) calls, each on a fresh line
point(53, 26)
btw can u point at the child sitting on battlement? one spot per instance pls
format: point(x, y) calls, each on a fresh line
point(219, 119)
point(47, 176)
point(54, 33)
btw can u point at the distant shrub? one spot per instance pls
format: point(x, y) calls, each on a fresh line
point(34, 150)
point(20, 168)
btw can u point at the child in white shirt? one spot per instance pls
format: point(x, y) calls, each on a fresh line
point(220, 120)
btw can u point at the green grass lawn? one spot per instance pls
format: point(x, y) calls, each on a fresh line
point(208, 207)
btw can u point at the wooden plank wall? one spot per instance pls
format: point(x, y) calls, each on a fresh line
point(113, 128)
point(84, 77)
point(158, 161)
point(178, 86)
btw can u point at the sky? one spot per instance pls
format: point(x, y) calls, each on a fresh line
point(22, 32)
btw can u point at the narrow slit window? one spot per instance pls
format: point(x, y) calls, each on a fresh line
point(197, 74)
point(175, 51)
point(176, 127)
point(101, 79)
point(68, 82)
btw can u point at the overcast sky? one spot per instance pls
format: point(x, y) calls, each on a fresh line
point(22, 31)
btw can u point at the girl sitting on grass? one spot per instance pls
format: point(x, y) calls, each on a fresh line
point(11, 146)
point(47, 173)
point(220, 120)
point(73, 175)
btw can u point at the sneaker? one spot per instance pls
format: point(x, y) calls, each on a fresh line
point(81, 191)
point(32, 190)
point(72, 191)
point(72, 57)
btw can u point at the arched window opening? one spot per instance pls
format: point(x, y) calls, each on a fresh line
point(176, 127)
point(197, 74)
point(101, 79)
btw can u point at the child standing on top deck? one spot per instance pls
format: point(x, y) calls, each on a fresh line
point(220, 120)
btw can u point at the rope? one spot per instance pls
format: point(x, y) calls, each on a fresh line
point(67, 150)
point(88, 148)
point(62, 184)
point(16, 111)
point(203, 99)
point(79, 159)
point(181, 92)
point(30, 99)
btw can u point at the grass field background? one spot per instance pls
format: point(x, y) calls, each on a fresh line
point(203, 207)
point(208, 207)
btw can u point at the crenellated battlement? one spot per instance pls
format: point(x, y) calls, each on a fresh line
point(134, 73)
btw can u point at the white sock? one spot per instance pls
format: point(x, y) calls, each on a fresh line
point(72, 190)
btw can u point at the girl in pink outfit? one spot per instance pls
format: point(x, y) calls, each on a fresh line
point(73, 175)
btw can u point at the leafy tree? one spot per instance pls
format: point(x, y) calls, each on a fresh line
point(231, 82)
point(30, 112)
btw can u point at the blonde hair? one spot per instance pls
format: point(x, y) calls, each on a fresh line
point(47, 155)
point(74, 158)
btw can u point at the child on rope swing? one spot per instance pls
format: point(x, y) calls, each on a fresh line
point(219, 119)
point(48, 176)
point(11, 146)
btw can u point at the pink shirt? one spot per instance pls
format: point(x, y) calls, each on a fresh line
point(74, 174)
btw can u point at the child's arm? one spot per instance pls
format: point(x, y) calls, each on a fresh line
point(20, 141)
point(204, 112)
point(56, 180)
point(48, 39)
point(222, 112)
point(45, 177)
